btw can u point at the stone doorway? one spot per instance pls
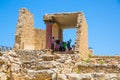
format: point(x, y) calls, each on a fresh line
point(69, 34)
point(55, 23)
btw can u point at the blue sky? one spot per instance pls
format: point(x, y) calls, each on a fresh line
point(103, 19)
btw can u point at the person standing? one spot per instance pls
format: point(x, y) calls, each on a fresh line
point(68, 44)
point(64, 46)
point(53, 44)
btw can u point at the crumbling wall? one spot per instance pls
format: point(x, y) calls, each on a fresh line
point(40, 39)
point(26, 37)
point(25, 31)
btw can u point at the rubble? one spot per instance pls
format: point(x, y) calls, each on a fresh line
point(40, 65)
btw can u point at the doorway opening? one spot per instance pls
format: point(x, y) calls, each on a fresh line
point(69, 34)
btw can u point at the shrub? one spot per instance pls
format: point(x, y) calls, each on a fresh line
point(90, 55)
point(78, 71)
point(101, 62)
point(87, 60)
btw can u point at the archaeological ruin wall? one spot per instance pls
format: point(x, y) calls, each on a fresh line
point(82, 36)
point(27, 37)
point(61, 21)
point(57, 32)
point(39, 42)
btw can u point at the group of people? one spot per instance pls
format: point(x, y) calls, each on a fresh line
point(58, 45)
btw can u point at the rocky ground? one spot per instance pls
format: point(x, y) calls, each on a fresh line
point(44, 65)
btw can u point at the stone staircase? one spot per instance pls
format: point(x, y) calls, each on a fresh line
point(41, 65)
point(64, 66)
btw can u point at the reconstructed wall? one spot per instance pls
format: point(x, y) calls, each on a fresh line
point(40, 39)
point(29, 38)
point(57, 32)
point(26, 37)
point(82, 36)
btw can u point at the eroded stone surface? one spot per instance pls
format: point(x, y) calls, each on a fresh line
point(33, 66)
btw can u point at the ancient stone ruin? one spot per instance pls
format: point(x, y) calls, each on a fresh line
point(27, 37)
point(30, 38)
point(32, 57)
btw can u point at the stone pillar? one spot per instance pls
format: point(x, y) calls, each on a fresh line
point(48, 34)
point(61, 34)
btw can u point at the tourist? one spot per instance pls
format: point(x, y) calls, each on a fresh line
point(53, 44)
point(68, 44)
point(61, 46)
point(57, 47)
point(64, 46)
point(66, 50)
point(73, 47)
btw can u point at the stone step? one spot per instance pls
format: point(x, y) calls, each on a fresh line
point(42, 74)
point(52, 75)
point(89, 76)
point(107, 59)
point(46, 65)
point(95, 68)
point(41, 65)
point(48, 57)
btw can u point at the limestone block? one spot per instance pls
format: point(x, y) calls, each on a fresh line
point(3, 76)
point(42, 74)
point(1, 54)
point(62, 77)
point(46, 65)
point(48, 57)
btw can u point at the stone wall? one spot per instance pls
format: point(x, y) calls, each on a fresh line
point(55, 31)
point(40, 39)
point(25, 30)
point(81, 44)
point(27, 37)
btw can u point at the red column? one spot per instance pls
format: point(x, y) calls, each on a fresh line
point(48, 35)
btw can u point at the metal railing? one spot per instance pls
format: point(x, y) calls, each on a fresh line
point(5, 48)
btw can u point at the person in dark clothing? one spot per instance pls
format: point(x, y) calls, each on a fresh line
point(61, 46)
point(68, 44)
point(53, 41)
point(64, 46)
